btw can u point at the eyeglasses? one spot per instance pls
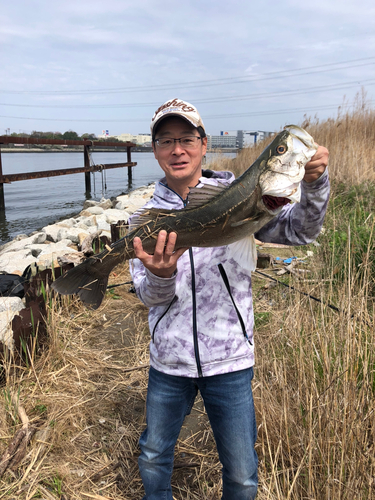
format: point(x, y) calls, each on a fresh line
point(188, 142)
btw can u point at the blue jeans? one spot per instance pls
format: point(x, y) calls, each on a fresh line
point(229, 404)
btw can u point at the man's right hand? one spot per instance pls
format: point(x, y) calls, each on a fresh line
point(163, 262)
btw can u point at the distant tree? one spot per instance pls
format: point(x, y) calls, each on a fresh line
point(70, 135)
point(89, 137)
point(52, 135)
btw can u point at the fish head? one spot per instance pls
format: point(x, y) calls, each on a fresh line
point(284, 168)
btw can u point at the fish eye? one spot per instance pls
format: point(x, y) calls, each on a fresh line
point(280, 149)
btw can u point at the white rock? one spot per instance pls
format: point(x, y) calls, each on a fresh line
point(4, 248)
point(114, 215)
point(95, 210)
point(36, 249)
point(133, 208)
point(90, 203)
point(54, 232)
point(17, 245)
point(66, 223)
point(9, 307)
point(39, 238)
point(6, 332)
point(58, 248)
point(16, 262)
point(121, 205)
point(86, 221)
point(137, 199)
point(48, 260)
point(105, 204)
point(102, 223)
point(11, 304)
point(73, 233)
point(93, 229)
point(82, 226)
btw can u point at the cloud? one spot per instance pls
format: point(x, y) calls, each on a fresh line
point(92, 45)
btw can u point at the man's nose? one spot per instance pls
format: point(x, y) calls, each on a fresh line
point(177, 148)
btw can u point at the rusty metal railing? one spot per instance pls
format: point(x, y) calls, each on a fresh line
point(86, 169)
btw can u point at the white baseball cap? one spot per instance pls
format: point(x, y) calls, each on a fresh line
point(177, 107)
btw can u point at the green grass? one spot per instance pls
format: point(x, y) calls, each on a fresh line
point(349, 234)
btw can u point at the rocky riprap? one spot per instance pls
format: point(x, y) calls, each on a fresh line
point(45, 248)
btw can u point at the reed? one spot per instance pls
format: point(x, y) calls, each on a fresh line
point(314, 380)
point(348, 136)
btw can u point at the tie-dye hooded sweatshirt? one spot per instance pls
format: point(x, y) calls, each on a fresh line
point(201, 319)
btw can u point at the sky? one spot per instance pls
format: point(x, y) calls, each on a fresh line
point(89, 65)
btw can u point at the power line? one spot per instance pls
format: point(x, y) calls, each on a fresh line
point(280, 111)
point(207, 100)
point(334, 86)
point(206, 117)
point(202, 83)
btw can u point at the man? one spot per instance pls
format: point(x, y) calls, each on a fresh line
point(200, 303)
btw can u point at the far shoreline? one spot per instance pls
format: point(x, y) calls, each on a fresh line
point(71, 150)
point(102, 150)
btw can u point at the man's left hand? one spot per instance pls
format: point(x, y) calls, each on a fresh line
point(317, 165)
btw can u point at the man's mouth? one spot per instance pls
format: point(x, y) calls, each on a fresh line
point(179, 164)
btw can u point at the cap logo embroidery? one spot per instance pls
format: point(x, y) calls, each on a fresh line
point(173, 106)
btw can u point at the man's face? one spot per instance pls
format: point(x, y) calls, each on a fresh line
point(182, 167)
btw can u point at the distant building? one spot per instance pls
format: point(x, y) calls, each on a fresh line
point(221, 141)
point(236, 138)
point(248, 138)
point(140, 139)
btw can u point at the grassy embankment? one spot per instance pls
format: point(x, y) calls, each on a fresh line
point(313, 388)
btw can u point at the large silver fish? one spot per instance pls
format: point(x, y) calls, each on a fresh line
point(214, 216)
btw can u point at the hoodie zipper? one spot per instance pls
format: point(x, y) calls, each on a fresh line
point(194, 301)
point(227, 286)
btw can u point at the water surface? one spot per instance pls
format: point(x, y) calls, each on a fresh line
point(33, 204)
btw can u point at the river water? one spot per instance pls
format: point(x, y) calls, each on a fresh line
point(33, 204)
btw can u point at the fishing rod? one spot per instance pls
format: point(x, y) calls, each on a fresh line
point(120, 284)
point(310, 296)
point(300, 291)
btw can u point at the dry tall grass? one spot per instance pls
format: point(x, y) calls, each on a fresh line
point(313, 387)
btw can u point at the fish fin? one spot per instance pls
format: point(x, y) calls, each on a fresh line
point(198, 196)
point(145, 216)
point(244, 252)
point(85, 280)
point(92, 294)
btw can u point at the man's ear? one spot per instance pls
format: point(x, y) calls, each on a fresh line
point(204, 145)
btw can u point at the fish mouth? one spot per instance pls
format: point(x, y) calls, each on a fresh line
point(272, 203)
point(301, 134)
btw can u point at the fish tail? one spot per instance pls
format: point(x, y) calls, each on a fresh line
point(88, 280)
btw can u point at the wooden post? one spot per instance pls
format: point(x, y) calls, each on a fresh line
point(87, 165)
point(130, 173)
point(2, 201)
